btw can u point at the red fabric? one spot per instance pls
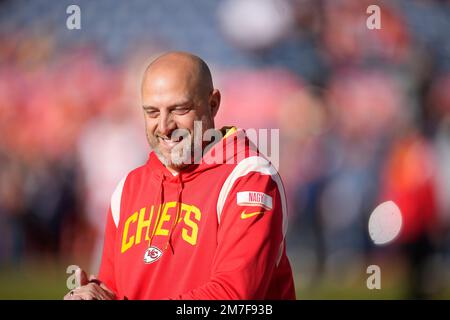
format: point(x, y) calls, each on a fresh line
point(202, 258)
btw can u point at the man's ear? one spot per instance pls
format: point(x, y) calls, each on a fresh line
point(214, 102)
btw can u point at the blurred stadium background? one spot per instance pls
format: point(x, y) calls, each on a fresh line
point(364, 117)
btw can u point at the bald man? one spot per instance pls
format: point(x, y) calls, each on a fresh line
point(195, 221)
point(177, 90)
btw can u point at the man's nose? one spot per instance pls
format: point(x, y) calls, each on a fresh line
point(166, 124)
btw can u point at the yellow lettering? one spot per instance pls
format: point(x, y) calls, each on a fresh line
point(191, 238)
point(142, 223)
point(147, 238)
point(164, 217)
point(189, 231)
point(156, 220)
point(127, 244)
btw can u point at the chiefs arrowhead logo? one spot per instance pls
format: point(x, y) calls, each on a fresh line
point(152, 254)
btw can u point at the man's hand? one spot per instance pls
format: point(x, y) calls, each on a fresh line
point(91, 289)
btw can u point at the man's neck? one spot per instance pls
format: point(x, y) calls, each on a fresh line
point(173, 171)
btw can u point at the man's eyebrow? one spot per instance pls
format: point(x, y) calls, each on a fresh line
point(179, 104)
point(145, 107)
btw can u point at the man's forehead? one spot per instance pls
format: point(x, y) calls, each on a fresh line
point(174, 68)
point(168, 79)
point(170, 97)
point(166, 94)
point(167, 85)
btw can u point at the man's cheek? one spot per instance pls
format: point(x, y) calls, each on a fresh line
point(152, 139)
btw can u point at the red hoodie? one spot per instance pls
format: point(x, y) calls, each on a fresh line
point(214, 231)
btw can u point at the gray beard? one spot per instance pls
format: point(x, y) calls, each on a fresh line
point(174, 162)
point(178, 158)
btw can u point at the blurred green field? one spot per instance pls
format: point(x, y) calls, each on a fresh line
point(48, 281)
point(33, 281)
point(350, 282)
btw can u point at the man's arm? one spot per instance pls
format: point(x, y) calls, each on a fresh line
point(106, 273)
point(250, 241)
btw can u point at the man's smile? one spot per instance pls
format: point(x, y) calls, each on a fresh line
point(168, 143)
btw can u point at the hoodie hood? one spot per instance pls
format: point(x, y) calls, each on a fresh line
point(233, 147)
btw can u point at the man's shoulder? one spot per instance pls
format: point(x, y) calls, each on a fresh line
point(254, 164)
point(137, 174)
point(138, 171)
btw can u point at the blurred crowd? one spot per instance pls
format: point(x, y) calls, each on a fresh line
point(364, 117)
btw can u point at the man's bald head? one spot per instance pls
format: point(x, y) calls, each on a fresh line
point(177, 91)
point(185, 67)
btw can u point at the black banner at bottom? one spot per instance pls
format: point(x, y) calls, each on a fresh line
point(360, 309)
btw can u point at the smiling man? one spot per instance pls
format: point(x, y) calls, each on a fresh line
point(176, 91)
point(187, 227)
